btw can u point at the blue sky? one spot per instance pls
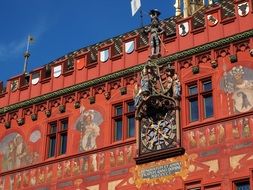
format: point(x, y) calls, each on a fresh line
point(62, 26)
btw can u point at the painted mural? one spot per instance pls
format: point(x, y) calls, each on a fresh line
point(213, 135)
point(70, 173)
point(237, 83)
point(88, 124)
point(15, 153)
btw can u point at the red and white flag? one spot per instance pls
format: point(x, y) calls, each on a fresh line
point(135, 5)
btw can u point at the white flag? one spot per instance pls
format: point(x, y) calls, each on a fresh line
point(135, 5)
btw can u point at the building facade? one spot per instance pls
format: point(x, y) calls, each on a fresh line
point(173, 110)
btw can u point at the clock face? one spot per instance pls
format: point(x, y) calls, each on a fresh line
point(158, 134)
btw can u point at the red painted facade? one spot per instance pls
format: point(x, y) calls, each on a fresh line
point(218, 149)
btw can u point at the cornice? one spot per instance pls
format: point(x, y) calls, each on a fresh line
point(122, 73)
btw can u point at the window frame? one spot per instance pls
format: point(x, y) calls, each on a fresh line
point(194, 185)
point(123, 117)
point(240, 181)
point(58, 135)
point(200, 96)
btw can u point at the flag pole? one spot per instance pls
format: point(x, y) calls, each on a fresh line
point(27, 54)
point(141, 15)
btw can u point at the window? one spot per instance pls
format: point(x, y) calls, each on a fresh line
point(213, 187)
point(123, 121)
point(242, 185)
point(57, 138)
point(200, 100)
point(193, 186)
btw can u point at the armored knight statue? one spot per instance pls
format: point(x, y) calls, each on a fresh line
point(155, 30)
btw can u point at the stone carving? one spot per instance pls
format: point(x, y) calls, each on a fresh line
point(155, 30)
point(156, 100)
point(157, 80)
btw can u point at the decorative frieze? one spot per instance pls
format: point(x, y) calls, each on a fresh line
point(214, 64)
point(233, 58)
point(20, 121)
point(123, 90)
point(195, 69)
point(48, 113)
point(41, 101)
point(34, 116)
point(242, 46)
point(223, 52)
point(7, 124)
point(62, 108)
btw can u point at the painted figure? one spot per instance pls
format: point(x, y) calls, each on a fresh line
point(94, 166)
point(20, 151)
point(11, 156)
point(59, 170)
point(129, 153)
point(192, 139)
point(18, 180)
point(15, 152)
point(238, 83)
point(41, 176)
point(202, 139)
point(75, 166)
point(120, 158)
point(33, 177)
point(90, 134)
point(221, 133)
point(85, 164)
point(212, 136)
point(235, 130)
point(101, 161)
point(25, 179)
point(88, 125)
point(112, 159)
point(67, 168)
point(2, 182)
point(245, 127)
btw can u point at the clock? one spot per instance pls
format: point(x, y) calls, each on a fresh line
point(158, 128)
point(157, 111)
point(158, 135)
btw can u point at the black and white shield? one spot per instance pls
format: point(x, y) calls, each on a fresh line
point(243, 9)
point(183, 28)
point(14, 85)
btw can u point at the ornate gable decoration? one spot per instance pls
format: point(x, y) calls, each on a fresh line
point(156, 100)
